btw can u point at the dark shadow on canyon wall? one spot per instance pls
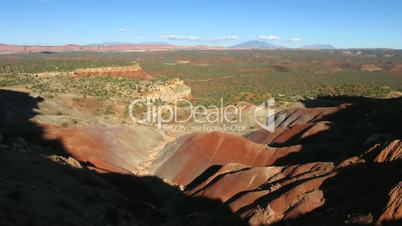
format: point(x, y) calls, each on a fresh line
point(38, 185)
point(204, 176)
point(352, 131)
point(357, 194)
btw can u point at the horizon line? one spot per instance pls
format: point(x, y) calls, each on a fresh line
point(162, 43)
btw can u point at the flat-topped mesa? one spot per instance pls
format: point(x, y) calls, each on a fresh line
point(371, 68)
point(133, 71)
point(50, 74)
point(167, 91)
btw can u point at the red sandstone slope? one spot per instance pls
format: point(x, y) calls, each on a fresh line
point(322, 172)
point(194, 154)
point(336, 178)
point(113, 149)
point(267, 195)
point(201, 151)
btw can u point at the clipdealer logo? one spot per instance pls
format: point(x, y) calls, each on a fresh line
point(161, 115)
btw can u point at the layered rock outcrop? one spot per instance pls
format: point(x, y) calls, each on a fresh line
point(167, 91)
point(198, 152)
point(134, 71)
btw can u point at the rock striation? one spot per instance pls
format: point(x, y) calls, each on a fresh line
point(134, 71)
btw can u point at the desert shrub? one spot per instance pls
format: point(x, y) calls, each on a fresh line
point(109, 110)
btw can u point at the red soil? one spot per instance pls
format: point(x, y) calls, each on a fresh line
point(87, 147)
point(202, 151)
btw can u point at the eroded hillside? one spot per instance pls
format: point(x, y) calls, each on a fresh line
point(335, 165)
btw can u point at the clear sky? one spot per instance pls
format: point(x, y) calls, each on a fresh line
point(342, 23)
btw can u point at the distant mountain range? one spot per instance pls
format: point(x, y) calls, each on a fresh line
point(103, 47)
point(318, 46)
point(144, 46)
point(128, 43)
point(256, 44)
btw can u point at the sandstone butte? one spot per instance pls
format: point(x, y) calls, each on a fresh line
point(134, 71)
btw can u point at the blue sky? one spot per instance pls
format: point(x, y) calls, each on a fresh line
point(343, 23)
